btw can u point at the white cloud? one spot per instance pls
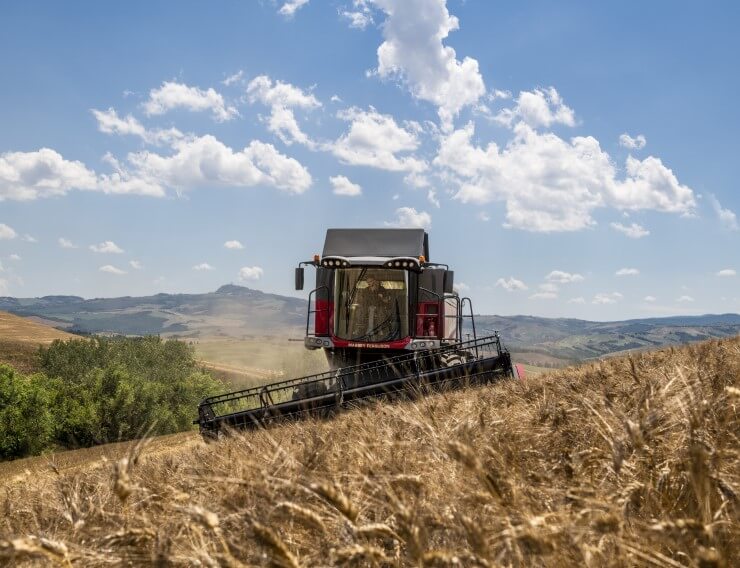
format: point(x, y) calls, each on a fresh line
point(376, 140)
point(110, 123)
point(510, 284)
point(607, 298)
point(250, 273)
point(207, 161)
point(432, 198)
point(282, 98)
point(549, 184)
point(727, 272)
point(636, 143)
point(543, 296)
point(235, 78)
point(413, 50)
point(3, 287)
point(29, 238)
point(66, 243)
point(6, 232)
point(627, 272)
point(110, 269)
point(359, 16)
point(461, 287)
point(727, 217)
point(633, 231)
point(15, 257)
point(172, 95)
point(560, 277)
point(25, 176)
point(649, 298)
point(684, 299)
point(408, 217)
point(290, 7)
point(343, 186)
point(28, 175)
point(233, 245)
point(548, 287)
point(136, 265)
point(541, 107)
point(107, 247)
point(203, 266)
point(578, 300)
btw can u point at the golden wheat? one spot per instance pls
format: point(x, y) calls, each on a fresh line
point(631, 461)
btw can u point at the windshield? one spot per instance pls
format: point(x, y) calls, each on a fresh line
point(371, 304)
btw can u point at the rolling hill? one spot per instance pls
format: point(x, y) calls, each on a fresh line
point(238, 313)
point(20, 338)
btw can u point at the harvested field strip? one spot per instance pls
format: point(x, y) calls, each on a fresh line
point(625, 462)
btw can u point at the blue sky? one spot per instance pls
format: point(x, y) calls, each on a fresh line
point(568, 160)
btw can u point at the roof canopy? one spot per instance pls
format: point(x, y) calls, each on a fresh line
point(376, 242)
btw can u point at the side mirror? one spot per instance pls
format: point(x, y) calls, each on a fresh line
point(299, 278)
point(449, 281)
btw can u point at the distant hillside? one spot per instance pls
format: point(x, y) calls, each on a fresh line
point(238, 312)
point(231, 311)
point(20, 339)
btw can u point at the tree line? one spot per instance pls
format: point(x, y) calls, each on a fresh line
point(100, 390)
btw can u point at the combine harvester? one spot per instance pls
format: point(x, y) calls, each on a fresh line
point(389, 322)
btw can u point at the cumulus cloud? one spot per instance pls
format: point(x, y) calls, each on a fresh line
point(290, 7)
point(135, 264)
point(541, 107)
point(607, 298)
point(413, 51)
point(172, 95)
point(627, 272)
point(561, 277)
point(409, 218)
point(107, 247)
point(376, 140)
point(250, 273)
point(235, 78)
point(461, 287)
point(110, 269)
point(359, 15)
point(110, 123)
point(343, 186)
point(233, 245)
point(633, 231)
point(636, 143)
point(685, 299)
point(6, 232)
point(203, 266)
point(204, 161)
point(725, 272)
point(26, 176)
point(649, 298)
point(543, 296)
point(510, 284)
point(282, 98)
point(548, 287)
point(66, 243)
point(30, 238)
point(15, 257)
point(727, 217)
point(578, 300)
point(550, 184)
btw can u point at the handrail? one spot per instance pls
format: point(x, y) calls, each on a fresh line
point(310, 311)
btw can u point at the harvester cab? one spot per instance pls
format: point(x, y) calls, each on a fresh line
point(378, 295)
point(390, 324)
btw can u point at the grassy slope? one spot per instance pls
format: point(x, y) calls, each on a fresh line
point(618, 463)
point(20, 339)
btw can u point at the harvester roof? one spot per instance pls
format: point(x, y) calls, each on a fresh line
point(376, 243)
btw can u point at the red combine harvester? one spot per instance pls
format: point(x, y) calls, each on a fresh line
point(389, 321)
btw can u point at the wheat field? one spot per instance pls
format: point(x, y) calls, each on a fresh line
point(625, 462)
